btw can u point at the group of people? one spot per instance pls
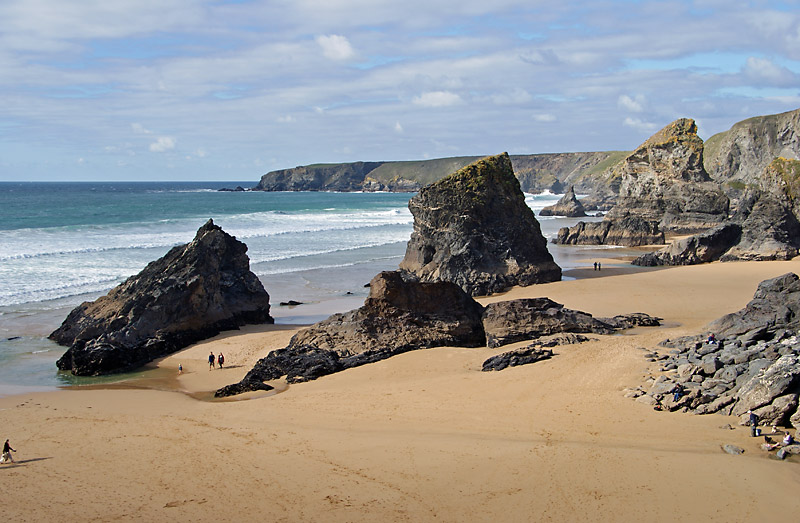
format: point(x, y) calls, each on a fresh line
point(597, 266)
point(7, 450)
point(220, 360)
point(769, 444)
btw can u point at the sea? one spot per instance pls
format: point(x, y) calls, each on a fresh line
point(65, 243)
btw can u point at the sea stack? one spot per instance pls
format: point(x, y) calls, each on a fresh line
point(473, 228)
point(192, 293)
point(663, 188)
point(568, 206)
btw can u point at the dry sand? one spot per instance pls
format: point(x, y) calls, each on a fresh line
point(424, 436)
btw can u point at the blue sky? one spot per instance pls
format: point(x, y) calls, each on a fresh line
point(229, 90)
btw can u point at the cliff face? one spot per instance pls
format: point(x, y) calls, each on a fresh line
point(737, 157)
point(536, 173)
point(474, 229)
point(663, 187)
point(192, 293)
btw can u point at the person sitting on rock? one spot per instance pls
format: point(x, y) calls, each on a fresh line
point(677, 392)
point(787, 439)
point(712, 339)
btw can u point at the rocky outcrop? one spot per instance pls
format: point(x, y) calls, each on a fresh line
point(526, 319)
point(663, 184)
point(753, 362)
point(531, 318)
point(765, 226)
point(474, 229)
point(705, 247)
point(630, 230)
point(192, 293)
point(568, 206)
point(523, 356)
point(738, 156)
point(401, 314)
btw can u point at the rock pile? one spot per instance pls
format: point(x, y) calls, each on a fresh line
point(473, 228)
point(753, 362)
point(190, 294)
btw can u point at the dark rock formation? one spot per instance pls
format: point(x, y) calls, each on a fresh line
point(754, 362)
point(192, 293)
point(473, 228)
point(663, 184)
point(525, 319)
point(765, 227)
point(401, 314)
point(628, 230)
point(701, 248)
point(568, 206)
point(523, 356)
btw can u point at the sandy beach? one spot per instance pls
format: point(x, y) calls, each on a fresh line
point(424, 436)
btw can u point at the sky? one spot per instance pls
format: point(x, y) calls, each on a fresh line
point(195, 90)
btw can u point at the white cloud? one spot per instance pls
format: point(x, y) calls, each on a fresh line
point(398, 128)
point(140, 129)
point(635, 105)
point(516, 96)
point(640, 125)
point(437, 99)
point(761, 70)
point(163, 144)
point(286, 119)
point(544, 117)
point(335, 47)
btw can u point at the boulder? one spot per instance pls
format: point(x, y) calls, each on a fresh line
point(568, 206)
point(401, 314)
point(525, 319)
point(474, 229)
point(701, 248)
point(190, 294)
point(523, 356)
point(781, 377)
point(663, 187)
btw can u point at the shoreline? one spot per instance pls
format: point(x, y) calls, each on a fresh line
point(420, 436)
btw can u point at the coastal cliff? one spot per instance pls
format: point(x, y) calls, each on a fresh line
point(192, 293)
point(663, 187)
point(536, 173)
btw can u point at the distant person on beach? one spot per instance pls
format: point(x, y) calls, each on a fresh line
point(595, 265)
point(211, 360)
point(753, 420)
point(7, 450)
point(180, 368)
point(220, 360)
point(598, 266)
point(787, 439)
point(677, 392)
point(712, 339)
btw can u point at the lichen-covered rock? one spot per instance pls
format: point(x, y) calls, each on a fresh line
point(191, 293)
point(662, 183)
point(568, 205)
point(779, 378)
point(474, 229)
point(401, 314)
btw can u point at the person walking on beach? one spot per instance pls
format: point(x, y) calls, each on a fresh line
point(7, 450)
point(180, 368)
point(595, 265)
point(753, 419)
point(220, 360)
point(211, 360)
